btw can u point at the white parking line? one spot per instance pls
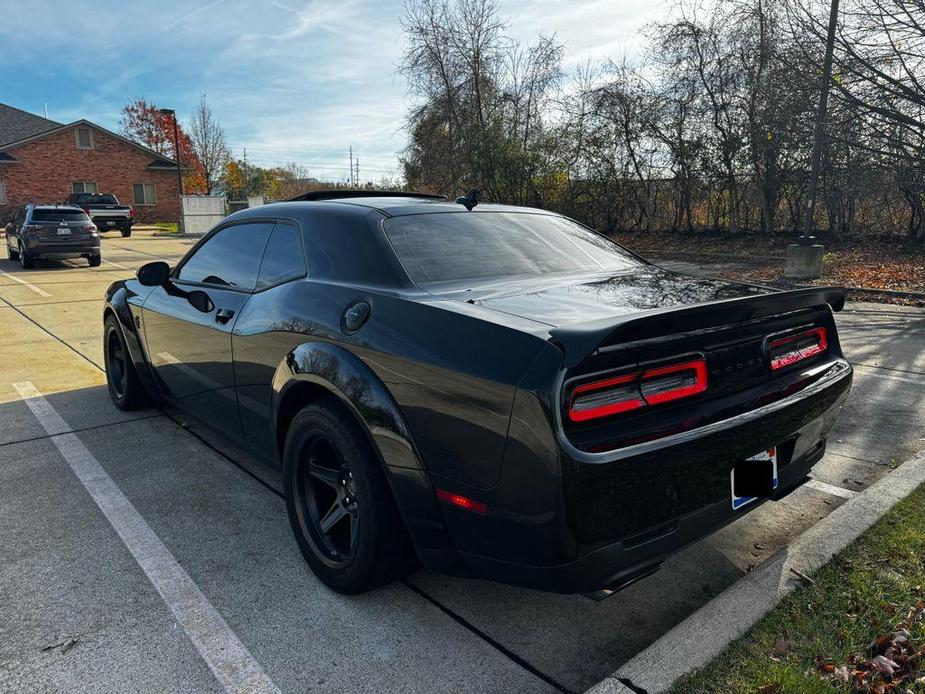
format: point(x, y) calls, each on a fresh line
point(832, 489)
point(109, 262)
point(40, 292)
point(231, 663)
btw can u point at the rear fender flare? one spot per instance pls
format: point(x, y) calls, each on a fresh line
point(345, 376)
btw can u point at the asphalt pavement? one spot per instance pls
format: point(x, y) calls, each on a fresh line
point(103, 514)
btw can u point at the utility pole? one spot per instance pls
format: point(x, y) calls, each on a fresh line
point(358, 171)
point(820, 124)
point(351, 165)
point(245, 173)
point(176, 146)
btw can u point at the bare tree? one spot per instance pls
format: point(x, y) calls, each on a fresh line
point(209, 145)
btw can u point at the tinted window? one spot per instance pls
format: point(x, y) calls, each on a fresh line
point(40, 215)
point(230, 258)
point(96, 198)
point(484, 245)
point(283, 259)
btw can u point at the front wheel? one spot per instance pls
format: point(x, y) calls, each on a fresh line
point(95, 260)
point(125, 387)
point(339, 503)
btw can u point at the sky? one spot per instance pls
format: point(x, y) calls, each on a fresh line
point(290, 80)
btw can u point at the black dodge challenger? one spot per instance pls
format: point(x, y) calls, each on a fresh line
point(499, 389)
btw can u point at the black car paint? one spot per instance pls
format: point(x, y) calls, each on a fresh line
point(462, 391)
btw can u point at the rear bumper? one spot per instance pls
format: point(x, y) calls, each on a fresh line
point(619, 564)
point(60, 250)
point(113, 222)
point(583, 521)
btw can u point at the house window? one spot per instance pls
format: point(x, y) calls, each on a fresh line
point(144, 194)
point(83, 187)
point(2, 192)
point(84, 138)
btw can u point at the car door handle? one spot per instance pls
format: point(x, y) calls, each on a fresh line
point(223, 315)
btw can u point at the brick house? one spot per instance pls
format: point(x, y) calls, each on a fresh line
point(43, 161)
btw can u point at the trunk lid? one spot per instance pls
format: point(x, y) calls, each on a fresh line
point(581, 300)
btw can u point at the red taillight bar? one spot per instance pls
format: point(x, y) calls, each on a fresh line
point(685, 387)
point(620, 399)
point(795, 348)
point(637, 390)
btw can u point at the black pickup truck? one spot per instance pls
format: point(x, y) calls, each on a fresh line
point(105, 211)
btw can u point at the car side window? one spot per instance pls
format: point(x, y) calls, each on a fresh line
point(284, 259)
point(230, 258)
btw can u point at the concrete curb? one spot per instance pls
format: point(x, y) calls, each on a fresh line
point(707, 632)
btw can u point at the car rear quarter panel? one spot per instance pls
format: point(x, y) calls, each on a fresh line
point(453, 376)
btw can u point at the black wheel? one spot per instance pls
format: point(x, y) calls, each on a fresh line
point(339, 502)
point(95, 260)
point(12, 254)
point(26, 259)
point(126, 232)
point(125, 388)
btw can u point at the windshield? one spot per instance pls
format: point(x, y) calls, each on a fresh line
point(60, 215)
point(479, 246)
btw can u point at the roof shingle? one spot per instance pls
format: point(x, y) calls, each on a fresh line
point(16, 124)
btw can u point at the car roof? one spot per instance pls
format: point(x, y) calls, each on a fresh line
point(400, 205)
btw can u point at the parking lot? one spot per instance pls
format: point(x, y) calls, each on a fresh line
point(68, 578)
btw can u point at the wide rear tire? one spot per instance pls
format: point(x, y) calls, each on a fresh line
point(126, 233)
point(339, 502)
point(95, 260)
point(125, 388)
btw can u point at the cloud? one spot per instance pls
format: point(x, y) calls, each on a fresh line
point(291, 80)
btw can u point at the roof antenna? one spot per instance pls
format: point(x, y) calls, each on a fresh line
point(470, 200)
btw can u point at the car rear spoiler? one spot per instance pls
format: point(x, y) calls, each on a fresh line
point(579, 341)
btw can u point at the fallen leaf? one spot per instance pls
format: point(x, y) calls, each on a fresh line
point(883, 664)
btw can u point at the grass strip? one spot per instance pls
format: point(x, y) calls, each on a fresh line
point(857, 627)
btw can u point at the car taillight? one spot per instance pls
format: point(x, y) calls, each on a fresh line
point(636, 390)
point(86, 210)
point(674, 382)
point(131, 212)
point(790, 350)
point(602, 398)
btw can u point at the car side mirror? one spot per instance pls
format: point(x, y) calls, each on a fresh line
point(155, 274)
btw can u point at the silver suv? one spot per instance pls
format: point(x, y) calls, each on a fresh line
point(53, 232)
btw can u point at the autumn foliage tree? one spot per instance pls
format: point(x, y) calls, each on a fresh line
point(143, 122)
point(709, 127)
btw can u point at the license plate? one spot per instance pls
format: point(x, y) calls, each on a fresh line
point(64, 232)
point(109, 222)
point(763, 457)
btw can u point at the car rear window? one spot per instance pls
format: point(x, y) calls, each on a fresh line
point(97, 199)
point(40, 215)
point(479, 246)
